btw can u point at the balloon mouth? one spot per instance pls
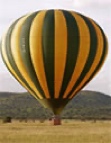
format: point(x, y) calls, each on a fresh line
point(56, 105)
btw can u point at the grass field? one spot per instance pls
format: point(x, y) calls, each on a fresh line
point(68, 132)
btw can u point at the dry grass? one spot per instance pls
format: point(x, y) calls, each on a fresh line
point(68, 132)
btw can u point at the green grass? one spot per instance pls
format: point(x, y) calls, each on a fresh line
point(68, 132)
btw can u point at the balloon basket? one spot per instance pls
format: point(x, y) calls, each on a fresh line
point(56, 120)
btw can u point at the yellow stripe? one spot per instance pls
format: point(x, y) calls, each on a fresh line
point(96, 60)
point(83, 53)
point(36, 50)
point(60, 50)
point(17, 56)
point(10, 67)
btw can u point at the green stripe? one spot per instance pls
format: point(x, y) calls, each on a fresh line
point(72, 49)
point(101, 60)
point(56, 105)
point(92, 53)
point(48, 49)
point(1, 48)
point(25, 51)
point(0, 45)
point(10, 56)
point(7, 65)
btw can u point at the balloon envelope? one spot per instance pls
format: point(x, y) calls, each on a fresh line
point(54, 54)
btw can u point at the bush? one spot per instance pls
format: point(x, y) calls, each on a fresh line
point(42, 120)
point(7, 120)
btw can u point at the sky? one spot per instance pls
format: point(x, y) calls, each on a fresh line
point(99, 10)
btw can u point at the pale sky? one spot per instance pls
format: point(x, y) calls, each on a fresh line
point(99, 10)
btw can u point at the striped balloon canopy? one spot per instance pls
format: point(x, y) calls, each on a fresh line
point(54, 54)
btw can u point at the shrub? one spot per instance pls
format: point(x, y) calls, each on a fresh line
point(42, 120)
point(7, 120)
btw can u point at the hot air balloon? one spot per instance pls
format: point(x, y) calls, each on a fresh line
point(54, 54)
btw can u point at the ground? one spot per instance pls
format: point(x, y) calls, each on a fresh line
point(70, 131)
